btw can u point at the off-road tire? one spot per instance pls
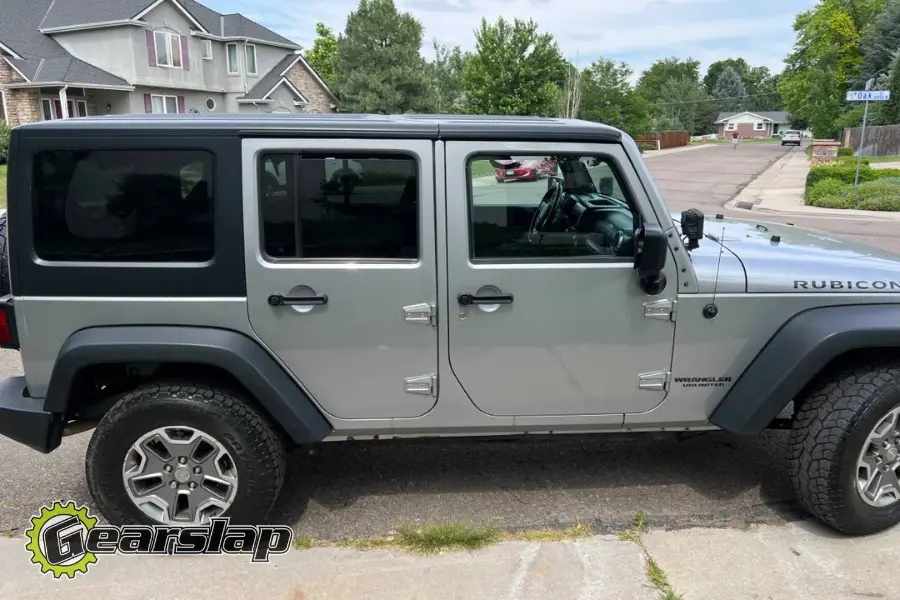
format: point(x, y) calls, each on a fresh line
point(256, 448)
point(830, 427)
point(5, 284)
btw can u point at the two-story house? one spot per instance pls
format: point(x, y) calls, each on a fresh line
point(70, 58)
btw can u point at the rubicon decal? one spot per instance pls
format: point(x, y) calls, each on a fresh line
point(862, 285)
point(65, 539)
point(702, 381)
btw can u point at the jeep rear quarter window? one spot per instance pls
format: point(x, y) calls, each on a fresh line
point(126, 206)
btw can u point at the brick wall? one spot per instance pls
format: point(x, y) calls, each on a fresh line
point(746, 130)
point(303, 80)
point(23, 105)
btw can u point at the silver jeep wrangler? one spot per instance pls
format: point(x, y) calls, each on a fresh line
point(209, 291)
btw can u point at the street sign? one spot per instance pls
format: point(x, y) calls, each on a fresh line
point(868, 96)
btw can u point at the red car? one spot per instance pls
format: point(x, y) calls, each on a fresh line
point(524, 170)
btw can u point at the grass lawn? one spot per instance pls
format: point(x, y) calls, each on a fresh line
point(872, 159)
point(481, 168)
point(2, 186)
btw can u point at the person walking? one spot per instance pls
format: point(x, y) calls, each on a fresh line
point(734, 139)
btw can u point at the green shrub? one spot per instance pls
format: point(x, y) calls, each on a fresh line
point(881, 195)
point(842, 170)
point(644, 147)
point(823, 188)
point(845, 151)
point(885, 173)
point(4, 142)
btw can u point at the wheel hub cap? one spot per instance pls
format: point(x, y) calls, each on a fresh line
point(878, 463)
point(180, 476)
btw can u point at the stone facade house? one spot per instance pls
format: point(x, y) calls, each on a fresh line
point(70, 58)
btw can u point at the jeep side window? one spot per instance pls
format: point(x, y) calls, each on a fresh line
point(117, 206)
point(542, 207)
point(339, 207)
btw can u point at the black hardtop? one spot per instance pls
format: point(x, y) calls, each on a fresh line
point(436, 127)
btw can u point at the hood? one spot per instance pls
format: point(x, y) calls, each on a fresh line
point(781, 258)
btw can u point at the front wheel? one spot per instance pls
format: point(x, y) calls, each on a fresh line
point(181, 454)
point(845, 449)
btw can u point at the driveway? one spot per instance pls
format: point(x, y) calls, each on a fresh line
point(354, 489)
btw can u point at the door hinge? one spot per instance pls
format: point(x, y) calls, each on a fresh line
point(424, 313)
point(656, 381)
point(424, 385)
point(664, 310)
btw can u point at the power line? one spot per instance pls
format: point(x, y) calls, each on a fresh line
point(718, 99)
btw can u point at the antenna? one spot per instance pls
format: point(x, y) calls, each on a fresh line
point(711, 310)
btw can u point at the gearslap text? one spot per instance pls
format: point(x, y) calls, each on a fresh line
point(864, 286)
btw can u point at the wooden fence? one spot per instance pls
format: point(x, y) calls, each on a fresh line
point(665, 139)
point(881, 140)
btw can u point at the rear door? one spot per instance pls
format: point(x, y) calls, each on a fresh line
point(341, 278)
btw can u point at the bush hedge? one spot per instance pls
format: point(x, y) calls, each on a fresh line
point(4, 142)
point(845, 151)
point(845, 170)
point(881, 194)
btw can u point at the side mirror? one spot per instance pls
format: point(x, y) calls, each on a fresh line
point(651, 250)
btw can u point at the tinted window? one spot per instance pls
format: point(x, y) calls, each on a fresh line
point(135, 205)
point(339, 207)
point(544, 207)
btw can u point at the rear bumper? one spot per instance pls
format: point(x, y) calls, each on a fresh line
point(24, 420)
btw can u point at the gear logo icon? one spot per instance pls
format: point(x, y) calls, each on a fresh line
point(57, 539)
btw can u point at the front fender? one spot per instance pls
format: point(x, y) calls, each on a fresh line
point(795, 354)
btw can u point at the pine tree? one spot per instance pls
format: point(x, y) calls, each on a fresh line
point(379, 68)
point(730, 90)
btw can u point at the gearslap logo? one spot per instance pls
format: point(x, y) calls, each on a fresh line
point(65, 539)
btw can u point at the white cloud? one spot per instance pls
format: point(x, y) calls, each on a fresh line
point(638, 31)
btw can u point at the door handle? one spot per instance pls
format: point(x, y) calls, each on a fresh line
point(276, 300)
point(467, 299)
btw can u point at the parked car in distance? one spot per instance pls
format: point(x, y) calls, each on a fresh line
point(523, 170)
point(791, 136)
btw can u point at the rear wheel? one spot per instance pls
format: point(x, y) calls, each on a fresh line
point(181, 454)
point(845, 449)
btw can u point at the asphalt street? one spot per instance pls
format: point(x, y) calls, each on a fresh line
point(355, 489)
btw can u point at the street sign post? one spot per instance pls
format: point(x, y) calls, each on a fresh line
point(867, 95)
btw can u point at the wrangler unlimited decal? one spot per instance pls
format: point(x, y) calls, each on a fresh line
point(800, 284)
point(702, 381)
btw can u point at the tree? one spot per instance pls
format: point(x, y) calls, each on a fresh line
point(379, 68)
point(514, 70)
point(715, 70)
point(889, 113)
point(730, 91)
point(880, 39)
point(608, 97)
point(447, 70)
point(662, 71)
point(324, 53)
point(683, 104)
point(571, 93)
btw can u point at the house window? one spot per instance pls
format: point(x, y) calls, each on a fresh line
point(168, 49)
point(250, 50)
point(210, 104)
point(730, 126)
point(2, 106)
point(759, 126)
point(207, 49)
point(232, 51)
point(163, 104)
point(51, 108)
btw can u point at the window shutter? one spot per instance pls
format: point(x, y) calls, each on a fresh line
point(148, 104)
point(185, 53)
point(151, 48)
point(181, 104)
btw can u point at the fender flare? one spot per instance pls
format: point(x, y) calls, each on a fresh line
point(795, 354)
point(275, 390)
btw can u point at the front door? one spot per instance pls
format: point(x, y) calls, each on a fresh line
point(341, 274)
point(546, 314)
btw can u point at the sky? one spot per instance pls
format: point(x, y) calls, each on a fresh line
point(635, 31)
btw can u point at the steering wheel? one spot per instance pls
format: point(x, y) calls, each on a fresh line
point(547, 207)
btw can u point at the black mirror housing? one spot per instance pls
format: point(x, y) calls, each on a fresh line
point(651, 251)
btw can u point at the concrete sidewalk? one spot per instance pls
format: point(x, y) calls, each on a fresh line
point(797, 560)
point(780, 189)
